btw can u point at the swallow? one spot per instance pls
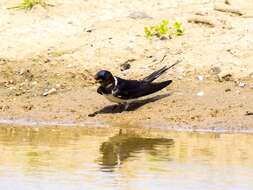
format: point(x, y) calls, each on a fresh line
point(123, 92)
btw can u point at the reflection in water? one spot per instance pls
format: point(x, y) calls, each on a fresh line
point(75, 158)
point(119, 147)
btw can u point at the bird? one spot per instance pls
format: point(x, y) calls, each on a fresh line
point(123, 91)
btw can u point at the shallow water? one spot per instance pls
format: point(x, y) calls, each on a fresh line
point(71, 158)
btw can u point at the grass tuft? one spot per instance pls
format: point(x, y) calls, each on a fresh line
point(164, 30)
point(29, 4)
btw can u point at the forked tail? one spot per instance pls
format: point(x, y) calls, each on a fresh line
point(158, 73)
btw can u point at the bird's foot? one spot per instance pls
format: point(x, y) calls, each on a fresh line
point(123, 107)
point(120, 107)
point(126, 106)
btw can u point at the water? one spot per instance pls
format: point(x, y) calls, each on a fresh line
point(62, 158)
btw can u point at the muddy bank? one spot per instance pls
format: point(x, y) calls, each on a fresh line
point(197, 101)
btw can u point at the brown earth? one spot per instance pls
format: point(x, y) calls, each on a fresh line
point(60, 48)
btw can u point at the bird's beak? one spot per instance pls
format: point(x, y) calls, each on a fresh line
point(98, 81)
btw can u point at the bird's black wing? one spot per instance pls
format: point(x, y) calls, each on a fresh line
point(131, 89)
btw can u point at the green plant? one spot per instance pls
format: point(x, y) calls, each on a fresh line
point(29, 4)
point(177, 26)
point(164, 30)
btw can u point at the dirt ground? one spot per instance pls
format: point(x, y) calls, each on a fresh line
point(48, 57)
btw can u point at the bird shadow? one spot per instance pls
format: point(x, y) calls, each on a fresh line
point(132, 107)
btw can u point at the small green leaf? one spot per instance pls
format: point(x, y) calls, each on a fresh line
point(164, 30)
point(148, 32)
point(165, 22)
point(178, 27)
point(29, 4)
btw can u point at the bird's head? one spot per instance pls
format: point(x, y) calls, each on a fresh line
point(104, 77)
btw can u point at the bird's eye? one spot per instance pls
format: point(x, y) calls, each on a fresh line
point(99, 81)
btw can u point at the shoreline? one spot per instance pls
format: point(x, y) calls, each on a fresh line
point(162, 127)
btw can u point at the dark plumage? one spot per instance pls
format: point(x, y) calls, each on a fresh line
point(124, 91)
point(158, 73)
point(131, 89)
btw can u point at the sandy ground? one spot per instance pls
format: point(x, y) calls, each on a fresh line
point(59, 48)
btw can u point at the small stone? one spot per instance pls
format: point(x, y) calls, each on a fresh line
point(200, 93)
point(228, 90)
point(164, 38)
point(139, 15)
point(201, 13)
point(224, 76)
point(216, 70)
point(180, 71)
point(125, 66)
point(28, 107)
point(227, 2)
point(200, 78)
point(51, 91)
point(21, 72)
point(242, 84)
point(89, 30)
point(34, 83)
point(58, 85)
point(46, 60)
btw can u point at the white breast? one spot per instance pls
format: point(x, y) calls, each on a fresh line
point(112, 98)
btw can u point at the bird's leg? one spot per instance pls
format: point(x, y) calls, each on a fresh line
point(126, 106)
point(121, 106)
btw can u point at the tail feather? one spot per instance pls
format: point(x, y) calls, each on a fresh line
point(158, 73)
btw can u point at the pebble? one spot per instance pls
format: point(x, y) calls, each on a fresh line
point(216, 70)
point(58, 85)
point(89, 30)
point(70, 66)
point(224, 76)
point(200, 93)
point(125, 66)
point(51, 91)
point(21, 72)
point(242, 84)
point(34, 83)
point(200, 77)
point(139, 15)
